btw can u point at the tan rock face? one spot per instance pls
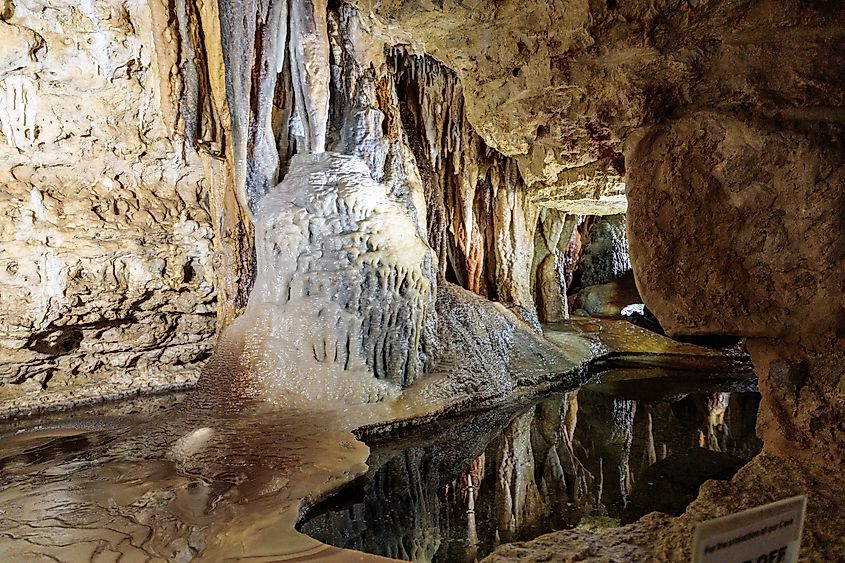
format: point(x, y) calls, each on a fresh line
point(743, 219)
point(561, 83)
point(106, 257)
point(527, 93)
point(736, 229)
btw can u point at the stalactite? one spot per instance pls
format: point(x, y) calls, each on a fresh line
point(552, 239)
point(205, 112)
point(480, 219)
point(238, 22)
point(263, 159)
point(309, 53)
point(257, 36)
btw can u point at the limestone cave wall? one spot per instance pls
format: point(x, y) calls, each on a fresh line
point(106, 266)
point(137, 139)
point(122, 238)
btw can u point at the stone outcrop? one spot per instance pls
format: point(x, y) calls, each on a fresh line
point(769, 263)
point(608, 299)
point(604, 282)
point(107, 282)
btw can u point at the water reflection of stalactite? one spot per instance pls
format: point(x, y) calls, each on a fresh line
point(482, 483)
point(720, 422)
point(468, 484)
point(604, 435)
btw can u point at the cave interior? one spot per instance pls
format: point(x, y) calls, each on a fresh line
point(344, 280)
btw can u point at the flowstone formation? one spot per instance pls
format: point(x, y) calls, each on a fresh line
point(343, 303)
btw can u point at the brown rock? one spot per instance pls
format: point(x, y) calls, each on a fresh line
point(769, 263)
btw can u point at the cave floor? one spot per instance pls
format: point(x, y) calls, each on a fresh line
point(180, 477)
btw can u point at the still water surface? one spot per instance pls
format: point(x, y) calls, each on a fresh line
point(175, 479)
point(586, 457)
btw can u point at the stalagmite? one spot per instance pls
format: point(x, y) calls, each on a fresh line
point(343, 294)
point(552, 239)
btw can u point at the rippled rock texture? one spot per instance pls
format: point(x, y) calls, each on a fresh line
point(106, 266)
point(343, 303)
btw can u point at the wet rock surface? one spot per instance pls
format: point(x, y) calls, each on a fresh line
point(219, 473)
point(608, 299)
point(167, 480)
point(107, 281)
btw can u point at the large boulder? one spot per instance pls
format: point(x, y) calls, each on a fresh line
point(736, 228)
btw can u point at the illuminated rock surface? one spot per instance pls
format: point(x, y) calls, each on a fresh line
point(107, 285)
point(461, 142)
point(343, 303)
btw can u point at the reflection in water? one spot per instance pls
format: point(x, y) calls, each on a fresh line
point(191, 477)
point(166, 482)
point(508, 476)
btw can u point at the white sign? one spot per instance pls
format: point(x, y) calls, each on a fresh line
point(765, 534)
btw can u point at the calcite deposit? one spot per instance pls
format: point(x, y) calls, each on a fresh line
point(140, 139)
point(343, 303)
